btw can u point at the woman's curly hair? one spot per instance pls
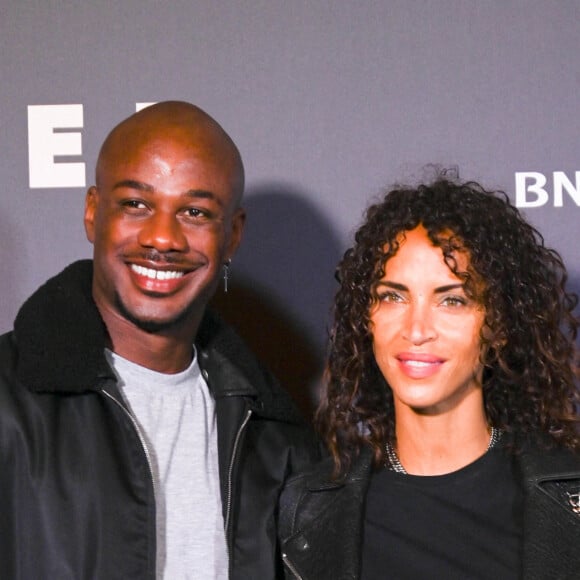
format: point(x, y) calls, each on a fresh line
point(528, 337)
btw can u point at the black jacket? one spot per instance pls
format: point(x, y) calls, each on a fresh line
point(77, 495)
point(322, 521)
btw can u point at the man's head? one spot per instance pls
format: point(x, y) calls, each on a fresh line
point(164, 216)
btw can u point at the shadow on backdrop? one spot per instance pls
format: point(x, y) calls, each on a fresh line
point(282, 285)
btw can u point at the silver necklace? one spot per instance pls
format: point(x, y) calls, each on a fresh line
point(394, 464)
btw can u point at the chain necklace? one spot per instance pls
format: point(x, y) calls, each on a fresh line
point(394, 464)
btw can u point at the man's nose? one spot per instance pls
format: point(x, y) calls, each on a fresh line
point(163, 232)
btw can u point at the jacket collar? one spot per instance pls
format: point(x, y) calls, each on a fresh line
point(61, 336)
point(61, 339)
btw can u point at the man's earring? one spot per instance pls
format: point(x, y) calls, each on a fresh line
point(226, 274)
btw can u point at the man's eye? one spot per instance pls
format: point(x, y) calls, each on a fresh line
point(195, 213)
point(134, 204)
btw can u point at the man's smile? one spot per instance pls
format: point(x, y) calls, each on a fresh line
point(154, 274)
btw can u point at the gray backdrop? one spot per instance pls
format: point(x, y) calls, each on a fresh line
point(329, 102)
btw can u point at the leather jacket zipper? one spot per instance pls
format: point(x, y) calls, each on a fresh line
point(230, 482)
point(290, 566)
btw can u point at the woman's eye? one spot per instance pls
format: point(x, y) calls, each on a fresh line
point(390, 297)
point(454, 301)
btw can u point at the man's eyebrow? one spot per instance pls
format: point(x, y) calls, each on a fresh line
point(403, 288)
point(193, 193)
point(133, 184)
point(204, 194)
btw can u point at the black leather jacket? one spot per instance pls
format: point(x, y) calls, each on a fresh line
point(75, 483)
point(322, 521)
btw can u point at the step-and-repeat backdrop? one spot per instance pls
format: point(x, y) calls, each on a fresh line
point(329, 101)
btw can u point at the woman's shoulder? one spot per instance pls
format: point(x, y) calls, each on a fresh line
point(314, 491)
point(321, 475)
point(320, 519)
point(539, 462)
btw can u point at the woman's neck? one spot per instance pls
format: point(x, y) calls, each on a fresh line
point(435, 445)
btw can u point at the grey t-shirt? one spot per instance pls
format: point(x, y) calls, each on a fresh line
point(176, 414)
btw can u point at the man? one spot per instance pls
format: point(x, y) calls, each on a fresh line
point(138, 437)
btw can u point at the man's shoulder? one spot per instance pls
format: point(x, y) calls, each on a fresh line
point(235, 369)
point(8, 354)
point(12, 393)
point(61, 303)
point(215, 334)
point(59, 333)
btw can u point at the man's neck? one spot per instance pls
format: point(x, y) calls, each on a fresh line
point(165, 352)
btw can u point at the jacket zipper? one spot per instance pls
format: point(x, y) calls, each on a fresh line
point(139, 435)
point(290, 566)
point(230, 481)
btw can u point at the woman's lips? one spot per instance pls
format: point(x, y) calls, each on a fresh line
point(419, 365)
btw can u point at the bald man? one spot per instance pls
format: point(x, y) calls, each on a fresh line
point(139, 438)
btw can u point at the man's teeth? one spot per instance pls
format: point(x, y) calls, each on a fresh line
point(156, 274)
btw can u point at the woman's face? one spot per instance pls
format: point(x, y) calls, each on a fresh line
point(426, 330)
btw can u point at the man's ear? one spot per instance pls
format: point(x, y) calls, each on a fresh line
point(91, 202)
point(238, 222)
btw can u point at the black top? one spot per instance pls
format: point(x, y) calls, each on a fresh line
point(462, 525)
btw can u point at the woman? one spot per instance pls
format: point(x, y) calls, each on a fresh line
point(450, 406)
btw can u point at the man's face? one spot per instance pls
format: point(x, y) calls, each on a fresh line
point(163, 221)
